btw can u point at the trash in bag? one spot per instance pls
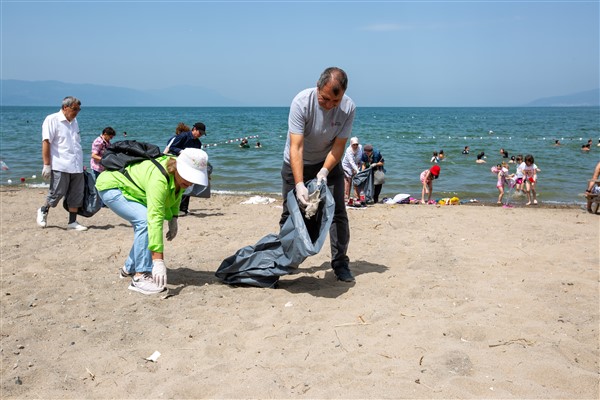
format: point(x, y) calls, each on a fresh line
point(277, 255)
point(364, 182)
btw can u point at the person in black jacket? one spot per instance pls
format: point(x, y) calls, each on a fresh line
point(182, 141)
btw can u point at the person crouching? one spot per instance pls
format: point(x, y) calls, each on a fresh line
point(146, 201)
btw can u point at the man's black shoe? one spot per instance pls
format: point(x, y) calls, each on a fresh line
point(343, 273)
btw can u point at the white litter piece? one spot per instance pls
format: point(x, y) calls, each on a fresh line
point(154, 356)
point(397, 198)
point(313, 203)
point(289, 304)
point(258, 200)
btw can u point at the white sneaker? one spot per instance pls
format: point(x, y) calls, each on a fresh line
point(41, 218)
point(145, 285)
point(77, 226)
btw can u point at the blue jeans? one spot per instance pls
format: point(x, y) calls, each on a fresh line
point(140, 258)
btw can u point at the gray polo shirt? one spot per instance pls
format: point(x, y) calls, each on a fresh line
point(319, 127)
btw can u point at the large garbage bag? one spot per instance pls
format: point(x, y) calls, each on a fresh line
point(277, 255)
point(91, 199)
point(364, 182)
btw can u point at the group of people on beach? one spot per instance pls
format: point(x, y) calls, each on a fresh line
point(147, 193)
point(150, 192)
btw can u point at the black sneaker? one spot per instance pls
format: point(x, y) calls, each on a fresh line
point(343, 273)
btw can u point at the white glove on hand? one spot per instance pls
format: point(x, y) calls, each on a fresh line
point(46, 172)
point(172, 229)
point(322, 176)
point(159, 273)
point(302, 194)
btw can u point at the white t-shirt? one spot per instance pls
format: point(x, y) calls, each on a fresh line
point(319, 126)
point(529, 171)
point(66, 154)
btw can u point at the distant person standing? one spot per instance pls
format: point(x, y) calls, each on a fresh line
point(373, 159)
point(351, 165)
point(63, 162)
point(185, 140)
point(319, 125)
point(99, 146)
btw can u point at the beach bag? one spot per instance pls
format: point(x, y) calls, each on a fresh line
point(91, 199)
point(379, 177)
point(126, 152)
point(274, 255)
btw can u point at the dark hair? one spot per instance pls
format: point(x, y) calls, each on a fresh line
point(109, 131)
point(337, 75)
point(529, 158)
point(480, 155)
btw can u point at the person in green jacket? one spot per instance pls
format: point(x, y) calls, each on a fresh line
point(146, 201)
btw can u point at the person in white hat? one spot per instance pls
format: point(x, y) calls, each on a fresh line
point(146, 199)
point(351, 165)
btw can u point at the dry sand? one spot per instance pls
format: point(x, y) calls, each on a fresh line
point(466, 301)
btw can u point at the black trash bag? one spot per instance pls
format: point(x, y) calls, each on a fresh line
point(364, 182)
point(277, 255)
point(91, 199)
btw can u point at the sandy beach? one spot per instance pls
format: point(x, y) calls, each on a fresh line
point(469, 301)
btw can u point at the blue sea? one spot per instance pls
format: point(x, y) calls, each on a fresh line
point(406, 138)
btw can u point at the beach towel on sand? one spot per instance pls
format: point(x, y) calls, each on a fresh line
point(277, 255)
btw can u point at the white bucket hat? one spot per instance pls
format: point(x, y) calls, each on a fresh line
point(192, 164)
point(354, 140)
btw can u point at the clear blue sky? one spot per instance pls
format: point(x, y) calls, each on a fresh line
point(402, 53)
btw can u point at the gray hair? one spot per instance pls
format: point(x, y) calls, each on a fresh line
point(337, 75)
point(69, 101)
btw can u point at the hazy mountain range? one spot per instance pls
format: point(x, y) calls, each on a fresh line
point(50, 93)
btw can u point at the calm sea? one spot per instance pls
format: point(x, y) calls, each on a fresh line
point(405, 136)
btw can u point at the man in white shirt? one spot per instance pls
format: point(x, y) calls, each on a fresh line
point(319, 124)
point(63, 162)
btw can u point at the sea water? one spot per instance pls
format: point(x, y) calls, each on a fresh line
point(406, 137)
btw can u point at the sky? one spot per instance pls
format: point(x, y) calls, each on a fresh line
point(261, 53)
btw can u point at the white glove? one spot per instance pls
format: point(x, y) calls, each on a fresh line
point(172, 229)
point(159, 273)
point(302, 194)
point(322, 176)
point(46, 172)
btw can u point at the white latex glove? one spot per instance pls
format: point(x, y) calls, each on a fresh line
point(322, 176)
point(46, 172)
point(302, 194)
point(159, 273)
point(172, 229)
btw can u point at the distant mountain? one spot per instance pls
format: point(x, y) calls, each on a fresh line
point(50, 93)
point(589, 98)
